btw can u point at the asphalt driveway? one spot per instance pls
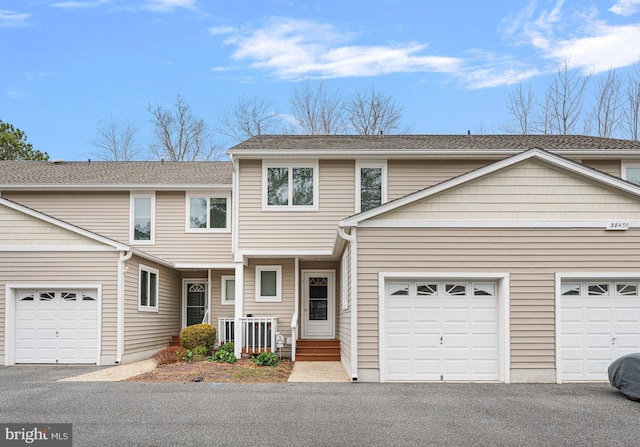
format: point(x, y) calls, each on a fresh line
point(326, 414)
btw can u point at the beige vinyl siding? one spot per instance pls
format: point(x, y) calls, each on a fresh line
point(217, 309)
point(343, 323)
point(21, 229)
point(295, 230)
point(105, 213)
point(611, 167)
point(407, 176)
point(174, 244)
point(532, 257)
point(283, 311)
point(144, 331)
point(527, 191)
point(77, 268)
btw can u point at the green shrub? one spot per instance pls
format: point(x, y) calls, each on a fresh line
point(198, 335)
point(223, 357)
point(228, 347)
point(266, 359)
point(200, 350)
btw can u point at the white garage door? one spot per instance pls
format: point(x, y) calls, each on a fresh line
point(600, 321)
point(440, 330)
point(56, 326)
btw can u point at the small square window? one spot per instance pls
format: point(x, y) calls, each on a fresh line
point(268, 283)
point(398, 289)
point(207, 213)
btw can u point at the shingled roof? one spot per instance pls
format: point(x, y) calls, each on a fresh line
point(431, 142)
point(105, 173)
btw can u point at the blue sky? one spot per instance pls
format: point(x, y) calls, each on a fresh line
point(66, 65)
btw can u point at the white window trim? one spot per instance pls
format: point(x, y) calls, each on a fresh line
point(132, 197)
point(370, 164)
point(269, 299)
point(208, 195)
point(223, 290)
point(290, 206)
point(145, 268)
point(624, 165)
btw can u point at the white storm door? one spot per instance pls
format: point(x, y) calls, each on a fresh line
point(195, 301)
point(318, 302)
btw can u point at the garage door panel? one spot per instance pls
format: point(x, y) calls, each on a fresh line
point(627, 341)
point(446, 336)
point(60, 329)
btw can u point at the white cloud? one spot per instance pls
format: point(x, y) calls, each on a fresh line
point(294, 49)
point(12, 18)
point(218, 30)
point(608, 47)
point(169, 5)
point(625, 7)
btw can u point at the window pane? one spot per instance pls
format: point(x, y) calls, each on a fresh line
point(144, 288)
point(302, 186)
point(427, 289)
point(627, 289)
point(218, 213)
point(598, 289)
point(198, 212)
point(268, 283)
point(230, 290)
point(570, 288)
point(47, 296)
point(277, 186)
point(484, 289)
point(153, 287)
point(370, 188)
point(397, 289)
point(456, 289)
point(633, 175)
point(142, 219)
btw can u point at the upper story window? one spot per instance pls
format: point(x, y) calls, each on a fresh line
point(631, 172)
point(142, 218)
point(371, 185)
point(290, 186)
point(207, 212)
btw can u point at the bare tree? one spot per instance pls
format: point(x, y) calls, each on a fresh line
point(180, 135)
point(631, 109)
point(606, 108)
point(542, 119)
point(521, 105)
point(249, 117)
point(317, 111)
point(371, 112)
point(565, 100)
point(115, 140)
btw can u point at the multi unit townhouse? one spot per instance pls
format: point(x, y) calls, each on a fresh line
point(424, 257)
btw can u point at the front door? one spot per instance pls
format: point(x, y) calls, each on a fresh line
point(318, 301)
point(195, 302)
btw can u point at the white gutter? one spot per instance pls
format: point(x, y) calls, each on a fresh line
point(353, 244)
point(124, 257)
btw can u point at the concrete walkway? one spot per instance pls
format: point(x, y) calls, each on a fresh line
point(318, 372)
point(115, 373)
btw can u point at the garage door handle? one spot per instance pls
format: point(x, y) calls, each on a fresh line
point(441, 340)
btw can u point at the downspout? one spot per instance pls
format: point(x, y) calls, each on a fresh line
point(351, 239)
point(124, 257)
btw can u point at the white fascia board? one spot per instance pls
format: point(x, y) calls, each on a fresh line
point(397, 223)
point(56, 248)
point(203, 266)
point(493, 167)
point(152, 258)
point(110, 187)
point(62, 224)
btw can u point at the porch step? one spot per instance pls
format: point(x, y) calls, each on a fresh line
point(318, 350)
point(175, 341)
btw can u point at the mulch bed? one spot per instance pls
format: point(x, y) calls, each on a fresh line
point(243, 371)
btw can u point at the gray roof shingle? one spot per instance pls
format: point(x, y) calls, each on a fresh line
point(431, 142)
point(105, 173)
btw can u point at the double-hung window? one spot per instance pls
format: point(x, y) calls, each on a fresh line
point(292, 187)
point(371, 185)
point(142, 218)
point(207, 212)
point(148, 289)
point(631, 171)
